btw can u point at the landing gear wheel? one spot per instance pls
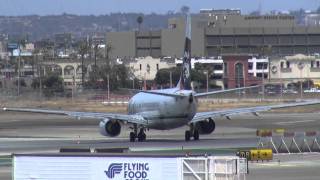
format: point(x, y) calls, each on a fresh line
point(187, 135)
point(196, 135)
point(142, 136)
point(132, 137)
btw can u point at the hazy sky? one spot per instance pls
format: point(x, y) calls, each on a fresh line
point(96, 7)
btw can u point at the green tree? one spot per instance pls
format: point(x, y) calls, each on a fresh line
point(163, 76)
point(108, 50)
point(51, 84)
point(119, 77)
point(185, 10)
point(83, 49)
point(22, 83)
point(139, 21)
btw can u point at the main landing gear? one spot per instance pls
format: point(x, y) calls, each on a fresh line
point(141, 136)
point(193, 132)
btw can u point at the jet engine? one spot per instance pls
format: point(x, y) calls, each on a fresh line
point(206, 126)
point(110, 128)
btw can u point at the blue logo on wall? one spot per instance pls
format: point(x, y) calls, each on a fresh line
point(114, 168)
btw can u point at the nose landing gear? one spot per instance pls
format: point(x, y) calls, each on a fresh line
point(192, 132)
point(141, 135)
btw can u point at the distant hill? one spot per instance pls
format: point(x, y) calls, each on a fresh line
point(39, 27)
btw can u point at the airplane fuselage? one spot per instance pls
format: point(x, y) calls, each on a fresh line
point(163, 112)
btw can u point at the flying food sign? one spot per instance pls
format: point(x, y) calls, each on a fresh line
point(128, 171)
point(93, 168)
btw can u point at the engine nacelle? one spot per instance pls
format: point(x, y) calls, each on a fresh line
point(206, 127)
point(109, 127)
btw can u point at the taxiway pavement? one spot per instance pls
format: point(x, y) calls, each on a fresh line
point(34, 133)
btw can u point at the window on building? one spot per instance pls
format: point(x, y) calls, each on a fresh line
point(281, 64)
point(259, 66)
point(218, 67)
point(250, 65)
point(262, 65)
point(259, 75)
point(172, 26)
point(217, 76)
point(140, 67)
point(265, 65)
point(312, 64)
point(239, 75)
point(318, 64)
point(148, 68)
point(157, 67)
point(288, 64)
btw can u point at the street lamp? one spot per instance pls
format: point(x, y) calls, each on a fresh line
point(170, 79)
point(207, 76)
point(19, 60)
point(301, 66)
point(108, 82)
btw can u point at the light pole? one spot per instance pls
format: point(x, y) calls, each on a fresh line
point(72, 92)
point(40, 79)
point(108, 93)
point(207, 76)
point(301, 66)
point(170, 79)
point(19, 60)
point(263, 88)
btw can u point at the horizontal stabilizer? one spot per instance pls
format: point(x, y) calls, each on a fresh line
point(164, 93)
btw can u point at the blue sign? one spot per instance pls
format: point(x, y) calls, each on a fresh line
point(131, 171)
point(13, 46)
point(114, 168)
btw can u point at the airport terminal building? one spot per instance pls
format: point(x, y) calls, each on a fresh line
point(219, 32)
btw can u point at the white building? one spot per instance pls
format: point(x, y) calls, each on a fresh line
point(216, 63)
point(147, 67)
point(258, 67)
point(295, 68)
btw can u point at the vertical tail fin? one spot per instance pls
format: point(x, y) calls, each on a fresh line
point(185, 77)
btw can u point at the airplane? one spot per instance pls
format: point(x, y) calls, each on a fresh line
point(165, 109)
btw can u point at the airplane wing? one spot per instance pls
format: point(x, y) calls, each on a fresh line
point(164, 93)
point(200, 116)
point(223, 91)
point(136, 119)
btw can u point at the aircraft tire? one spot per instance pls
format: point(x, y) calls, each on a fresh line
point(187, 135)
point(196, 135)
point(132, 137)
point(142, 136)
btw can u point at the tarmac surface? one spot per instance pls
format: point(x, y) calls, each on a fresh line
point(35, 133)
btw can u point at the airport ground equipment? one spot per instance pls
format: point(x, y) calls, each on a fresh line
point(289, 142)
point(92, 166)
point(261, 154)
point(256, 154)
